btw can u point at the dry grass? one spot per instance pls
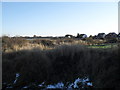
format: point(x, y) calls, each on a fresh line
point(16, 44)
point(56, 60)
point(64, 63)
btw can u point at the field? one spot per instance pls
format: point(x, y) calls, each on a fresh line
point(59, 63)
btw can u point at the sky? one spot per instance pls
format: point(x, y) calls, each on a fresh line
point(59, 18)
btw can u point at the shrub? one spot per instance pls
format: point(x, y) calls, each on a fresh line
point(9, 43)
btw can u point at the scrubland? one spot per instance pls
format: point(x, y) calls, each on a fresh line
point(17, 43)
point(30, 63)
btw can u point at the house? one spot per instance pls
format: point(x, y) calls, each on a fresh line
point(69, 36)
point(100, 36)
point(111, 35)
point(82, 36)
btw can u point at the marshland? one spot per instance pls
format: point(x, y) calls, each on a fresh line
point(60, 45)
point(60, 63)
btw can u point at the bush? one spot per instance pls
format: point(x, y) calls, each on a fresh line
point(8, 43)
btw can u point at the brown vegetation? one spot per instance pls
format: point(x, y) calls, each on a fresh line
point(17, 43)
point(36, 61)
point(64, 63)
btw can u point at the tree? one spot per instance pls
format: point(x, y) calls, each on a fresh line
point(34, 36)
point(78, 35)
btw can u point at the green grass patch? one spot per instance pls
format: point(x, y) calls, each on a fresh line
point(103, 46)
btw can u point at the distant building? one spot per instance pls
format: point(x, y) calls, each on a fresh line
point(100, 36)
point(69, 36)
point(81, 36)
point(111, 35)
